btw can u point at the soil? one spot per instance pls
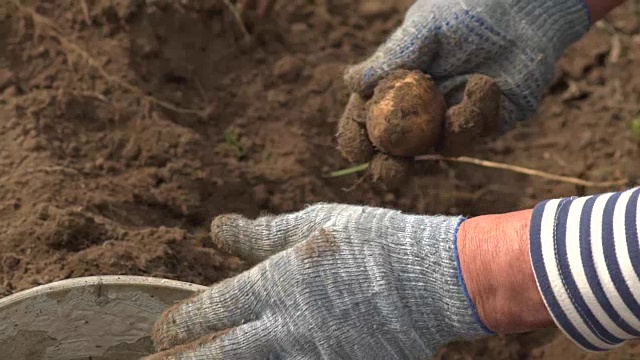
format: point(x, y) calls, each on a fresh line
point(126, 125)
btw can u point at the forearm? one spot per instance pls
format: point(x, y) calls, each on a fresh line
point(572, 262)
point(495, 262)
point(600, 8)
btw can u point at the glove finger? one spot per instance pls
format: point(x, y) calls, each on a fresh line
point(501, 118)
point(250, 341)
point(475, 102)
point(225, 305)
point(510, 113)
point(410, 47)
point(256, 240)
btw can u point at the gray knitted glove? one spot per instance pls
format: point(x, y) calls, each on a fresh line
point(516, 42)
point(346, 282)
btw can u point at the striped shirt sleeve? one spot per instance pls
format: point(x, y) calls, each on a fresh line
point(586, 259)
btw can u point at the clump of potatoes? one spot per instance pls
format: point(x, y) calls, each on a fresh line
point(407, 116)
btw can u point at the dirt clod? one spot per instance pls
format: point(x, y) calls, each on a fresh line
point(477, 115)
point(9, 262)
point(288, 68)
point(406, 114)
point(483, 93)
point(464, 124)
point(10, 91)
point(6, 79)
point(70, 230)
point(390, 171)
point(352, 138)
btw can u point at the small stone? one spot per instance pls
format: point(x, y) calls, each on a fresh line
point(299, 27)
point(10, 92)
point(10, 262)
point(536, 353)
point(376, 8)
point(33, 144)
point(6, 78)
point(277, 97)
point(389, 197)
point(131, 151)
point(261, 195)
point(288, 68)
point(500, 148)
point(13, 123)
point(299, 33)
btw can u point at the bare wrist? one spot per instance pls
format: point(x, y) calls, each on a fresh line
point(600, 8)
point(496, 265)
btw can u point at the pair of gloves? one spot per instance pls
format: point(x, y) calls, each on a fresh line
point(347, 282)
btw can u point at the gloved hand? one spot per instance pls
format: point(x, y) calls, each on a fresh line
point(516, 42)
point(339, 282)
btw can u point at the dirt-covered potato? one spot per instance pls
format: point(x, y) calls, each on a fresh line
point(406, 114)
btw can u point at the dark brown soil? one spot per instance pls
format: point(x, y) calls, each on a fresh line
point(104, 170)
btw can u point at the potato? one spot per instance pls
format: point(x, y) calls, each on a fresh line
point(407, 117)
point(406, 114)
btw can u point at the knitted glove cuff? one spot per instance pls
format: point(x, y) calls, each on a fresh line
point(458, 310)
point(457, 285)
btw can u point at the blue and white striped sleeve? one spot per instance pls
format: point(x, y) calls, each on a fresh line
point(586, 259)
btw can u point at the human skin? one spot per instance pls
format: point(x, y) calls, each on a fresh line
point(600, 8)
point(495, 263)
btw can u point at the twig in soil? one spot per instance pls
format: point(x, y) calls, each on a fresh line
point(45, 169)
point(525, 171)
point(496, 165)
point(85, 11)
point(238, 18)
point(67, 44)
point(49, 169)
point(616, 49)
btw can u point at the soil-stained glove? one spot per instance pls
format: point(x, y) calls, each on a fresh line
point(516, 42)
point(338, 282)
